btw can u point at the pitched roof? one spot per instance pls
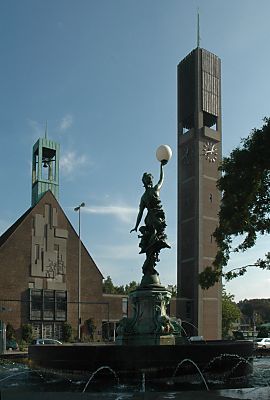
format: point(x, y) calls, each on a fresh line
point(20, 220)
point(13, 227)
point(17, 223)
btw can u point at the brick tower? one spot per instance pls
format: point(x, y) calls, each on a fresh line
point(199, 155)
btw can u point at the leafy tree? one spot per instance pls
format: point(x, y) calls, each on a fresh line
point(110, 288)
point(131, 286)
point(230, 312)
point(263, 332)
point(256, 310)
point(245, 204)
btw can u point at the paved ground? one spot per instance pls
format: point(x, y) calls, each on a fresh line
point(250, 394)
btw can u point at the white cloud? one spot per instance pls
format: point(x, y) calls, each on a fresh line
point(114, 252)
point(66, 122)
point(70, 161)
point(124, 213)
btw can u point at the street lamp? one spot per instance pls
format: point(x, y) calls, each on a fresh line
point(79, 271)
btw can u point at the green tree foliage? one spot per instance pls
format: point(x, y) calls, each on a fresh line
point(263, 332)
point(110, 288)
point(245, 204)
point(131, 286)
point(230, 313)
point(256, 310)
point(27, 333)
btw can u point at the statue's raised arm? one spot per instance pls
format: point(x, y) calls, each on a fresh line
point(161, 176)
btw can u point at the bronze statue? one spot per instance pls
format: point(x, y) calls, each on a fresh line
point(153, 237)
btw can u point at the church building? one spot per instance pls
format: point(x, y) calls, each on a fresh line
point(39, 261)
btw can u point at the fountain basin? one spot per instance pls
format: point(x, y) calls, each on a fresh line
point(155, 360)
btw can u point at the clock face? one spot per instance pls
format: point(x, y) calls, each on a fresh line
point(210, 151)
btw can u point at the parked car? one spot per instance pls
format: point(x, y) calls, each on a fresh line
point(46, 341)
point(12, 344)
point(263, 343)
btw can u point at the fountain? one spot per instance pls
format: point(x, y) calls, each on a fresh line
point(149, 344)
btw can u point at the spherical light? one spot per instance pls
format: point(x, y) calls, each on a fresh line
point(164, 153)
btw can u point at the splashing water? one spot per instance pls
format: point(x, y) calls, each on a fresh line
point(98, 370)
point(12, 375)
point(189, 323)
point(195, 365)
point(143, 382)
point(226, 356)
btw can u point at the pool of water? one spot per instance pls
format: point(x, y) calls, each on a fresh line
point(17, 377)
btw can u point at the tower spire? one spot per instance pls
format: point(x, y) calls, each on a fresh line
point(46, 129)
point(198, 28)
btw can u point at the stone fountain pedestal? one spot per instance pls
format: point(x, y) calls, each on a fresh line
point(149, 323)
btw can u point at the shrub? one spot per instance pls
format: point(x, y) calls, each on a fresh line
point(27, 333)
point(22, 345)
point(67, 332)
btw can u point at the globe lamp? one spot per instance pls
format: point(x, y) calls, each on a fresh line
point(164, 153)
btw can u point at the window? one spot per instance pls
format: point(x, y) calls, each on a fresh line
point(60, 306)
point(48, 305)
point(35, 304)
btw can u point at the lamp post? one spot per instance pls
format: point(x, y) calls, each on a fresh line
point(79, 271)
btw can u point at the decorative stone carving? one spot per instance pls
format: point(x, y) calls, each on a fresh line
point(149, 323)
point(49, 246)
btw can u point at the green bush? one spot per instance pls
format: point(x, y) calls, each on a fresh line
point(67, 332)
point(27, 333)
point(22, 345)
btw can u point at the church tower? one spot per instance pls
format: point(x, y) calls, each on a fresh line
point(199, 156)
point(45, 169)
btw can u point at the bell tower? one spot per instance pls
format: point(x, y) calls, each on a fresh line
point(45, 168)
point(199, 155)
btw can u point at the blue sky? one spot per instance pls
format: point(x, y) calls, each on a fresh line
point(103, 74)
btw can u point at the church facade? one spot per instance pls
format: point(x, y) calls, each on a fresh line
point(39, 261)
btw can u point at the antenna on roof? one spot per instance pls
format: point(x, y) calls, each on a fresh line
point(46, 128)
point(198, 28)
